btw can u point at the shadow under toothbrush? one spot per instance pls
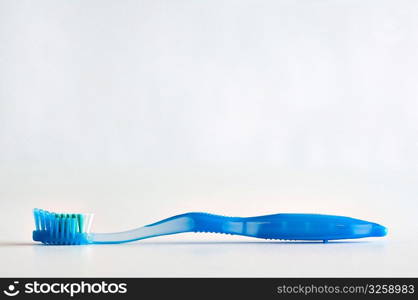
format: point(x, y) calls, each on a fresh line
point(156, 243)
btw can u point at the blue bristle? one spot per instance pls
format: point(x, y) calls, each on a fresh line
point(60, 229)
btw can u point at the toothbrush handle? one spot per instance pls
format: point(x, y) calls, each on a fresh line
point(288, 226)
point(279, 226)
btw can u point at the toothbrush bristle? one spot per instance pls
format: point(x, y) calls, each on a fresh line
point(61, 229)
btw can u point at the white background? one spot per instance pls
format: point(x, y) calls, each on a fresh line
point(139, 110)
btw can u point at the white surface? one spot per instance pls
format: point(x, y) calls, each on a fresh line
point(139, 110)
point(192, 256)
point(123, 199)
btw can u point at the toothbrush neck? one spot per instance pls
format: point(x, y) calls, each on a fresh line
point(189, 222)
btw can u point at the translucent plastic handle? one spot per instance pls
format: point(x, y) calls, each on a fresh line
point(290, 226)
point(279, 226)
point(173, 225)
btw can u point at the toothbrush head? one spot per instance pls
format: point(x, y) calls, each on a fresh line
point(61, 229)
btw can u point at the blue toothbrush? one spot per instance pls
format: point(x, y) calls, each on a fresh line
point(74, 229)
